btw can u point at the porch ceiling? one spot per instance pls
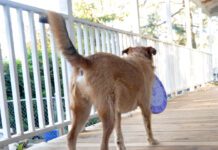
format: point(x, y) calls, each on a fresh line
point(209, 6)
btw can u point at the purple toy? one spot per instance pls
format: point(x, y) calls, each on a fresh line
point(159, 97)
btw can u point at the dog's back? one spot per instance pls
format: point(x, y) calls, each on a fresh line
point(113, 76)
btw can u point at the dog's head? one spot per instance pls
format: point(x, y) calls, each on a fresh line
point(146, 52)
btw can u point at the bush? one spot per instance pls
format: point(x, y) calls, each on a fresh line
point(32, 82)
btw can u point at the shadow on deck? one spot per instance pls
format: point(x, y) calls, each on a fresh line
point(189, 123)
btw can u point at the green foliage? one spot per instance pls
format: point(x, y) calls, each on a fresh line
point(20, 146)
point(152, 27)
point(92, 121)
point(20, 75)
point(180, 31)
point(89, 11)
point(9, 92)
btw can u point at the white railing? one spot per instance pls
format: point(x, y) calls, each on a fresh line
point(179, 68)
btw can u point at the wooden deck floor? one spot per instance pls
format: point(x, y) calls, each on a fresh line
point(189, 123)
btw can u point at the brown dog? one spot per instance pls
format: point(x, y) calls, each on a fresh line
point(112, 84)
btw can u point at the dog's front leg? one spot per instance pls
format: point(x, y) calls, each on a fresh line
point(147, 122)
point(118, 135)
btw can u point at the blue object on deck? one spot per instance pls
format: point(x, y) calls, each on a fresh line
point(50, 135)
point(159, 97)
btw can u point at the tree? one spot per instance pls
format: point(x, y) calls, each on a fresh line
point(154, 25)
point(89, 11)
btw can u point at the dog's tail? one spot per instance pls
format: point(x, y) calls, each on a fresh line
point(58, 28)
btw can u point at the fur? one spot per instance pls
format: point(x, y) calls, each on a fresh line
point(114, 85)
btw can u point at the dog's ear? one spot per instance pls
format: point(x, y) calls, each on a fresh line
point(152, 51)
point(126, 51)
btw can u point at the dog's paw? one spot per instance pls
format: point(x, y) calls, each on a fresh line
point(153, 142)
point(121, 148)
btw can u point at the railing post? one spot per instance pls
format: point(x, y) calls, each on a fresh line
point(188, 24)
point(201, 27)
point(169, 22)
point(138, 17)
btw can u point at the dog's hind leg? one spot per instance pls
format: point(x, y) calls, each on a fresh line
point(107, 115)
point(146, 113)
point(80, 109)
point(119, 136)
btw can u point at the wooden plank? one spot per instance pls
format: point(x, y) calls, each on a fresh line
point(175, 130)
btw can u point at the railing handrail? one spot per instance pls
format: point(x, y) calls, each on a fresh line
point(83, 21)
point(22, 6)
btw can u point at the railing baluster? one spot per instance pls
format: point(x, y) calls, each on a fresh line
point(113, 43)
point(79, 38)
point(66, 88)
point(108, 41)
point(13, 73)
point(134, 38)
point(103, 41)
point(86, 43)
point(26, 76)
point(36, 73)
point(121, 41)
point(117, 41)
point(46, 71)
point(3, 102)
point(93, 111)
point(132, 41)
point(124, 41)
point(71, 30)
point(127, 41)
point(98, 49)
point(91, 35)
point(57, 81)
